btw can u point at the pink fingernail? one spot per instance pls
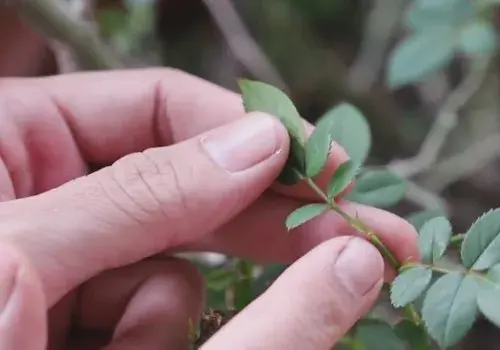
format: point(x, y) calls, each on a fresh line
point(245, 143)
point(359, 267)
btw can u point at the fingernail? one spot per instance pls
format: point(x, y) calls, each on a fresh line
point(245, 143)
point(8, 273)
point(359, 267)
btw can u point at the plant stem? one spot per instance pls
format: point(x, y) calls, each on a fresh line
point(369, 234)
point(243, 287)
point(55, 20)
point(357, 224)
point(457, 239)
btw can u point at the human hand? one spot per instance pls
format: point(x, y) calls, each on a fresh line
point(74, 246)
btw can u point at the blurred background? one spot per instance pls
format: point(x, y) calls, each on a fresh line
point(441, 132)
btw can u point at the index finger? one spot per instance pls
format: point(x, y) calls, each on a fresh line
point(113, 113)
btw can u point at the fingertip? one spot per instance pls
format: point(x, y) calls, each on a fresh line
point(360, 267)
point(280, 129)
point(315, 301)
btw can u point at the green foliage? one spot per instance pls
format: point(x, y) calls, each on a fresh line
point(304, 214)
point(418, 219)
point(428, 14)
point(341, 178)
point(374, 334)
point(348, 128)
point(379, 188)
point(413, 335)
point(261, 97)
point(480, 249)
point(112, 22)
point(450, 308)
point(317, 149)
point(489, 295)
point(221, 279)
point(421, 54)
point(133, 23)
point(452, 296)
point(478, 38)
point(434, 238)
point(438, 30)
point(409, 285)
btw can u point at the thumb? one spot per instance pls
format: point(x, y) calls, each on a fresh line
point(146, 202)
point(22, 305)
point(313, 303)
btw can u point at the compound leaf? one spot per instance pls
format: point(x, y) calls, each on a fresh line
point(434, 237)
point(450, 309)
point(489, 296)
point(379, 188)
point(341, 178)
point(304, 214)
point(348, 128)
point(262, 97)
point(409, 285)
point(481, 246)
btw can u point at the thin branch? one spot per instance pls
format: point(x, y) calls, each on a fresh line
point(424, 198)
point(55, 20)
point(244, 47)
point(419, 195)
point(464, 164)
point(380, 28)
point(445, 122)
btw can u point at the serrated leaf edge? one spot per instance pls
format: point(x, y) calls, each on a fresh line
point(289, 228)
point(424, 288)
point(468, 234)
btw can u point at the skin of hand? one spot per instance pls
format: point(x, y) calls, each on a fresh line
point(182, 168)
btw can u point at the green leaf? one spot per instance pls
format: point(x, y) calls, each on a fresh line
point(450, 308)
point(433, 239)
point(294, 165)
point(418, 219)
point(221, 278)
point(142, 17)
point(304, 214)
point(419, 55)
point(489, 296)
point(478, 38)
point(344, 174)
point(265, 98)
point(379, 188)
point(317, 150)
point(409, 285)
point(376, 334)
point(481, 245)
point(413, 335)
point(348, 128)
point(428, 14)
point(112, 22)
